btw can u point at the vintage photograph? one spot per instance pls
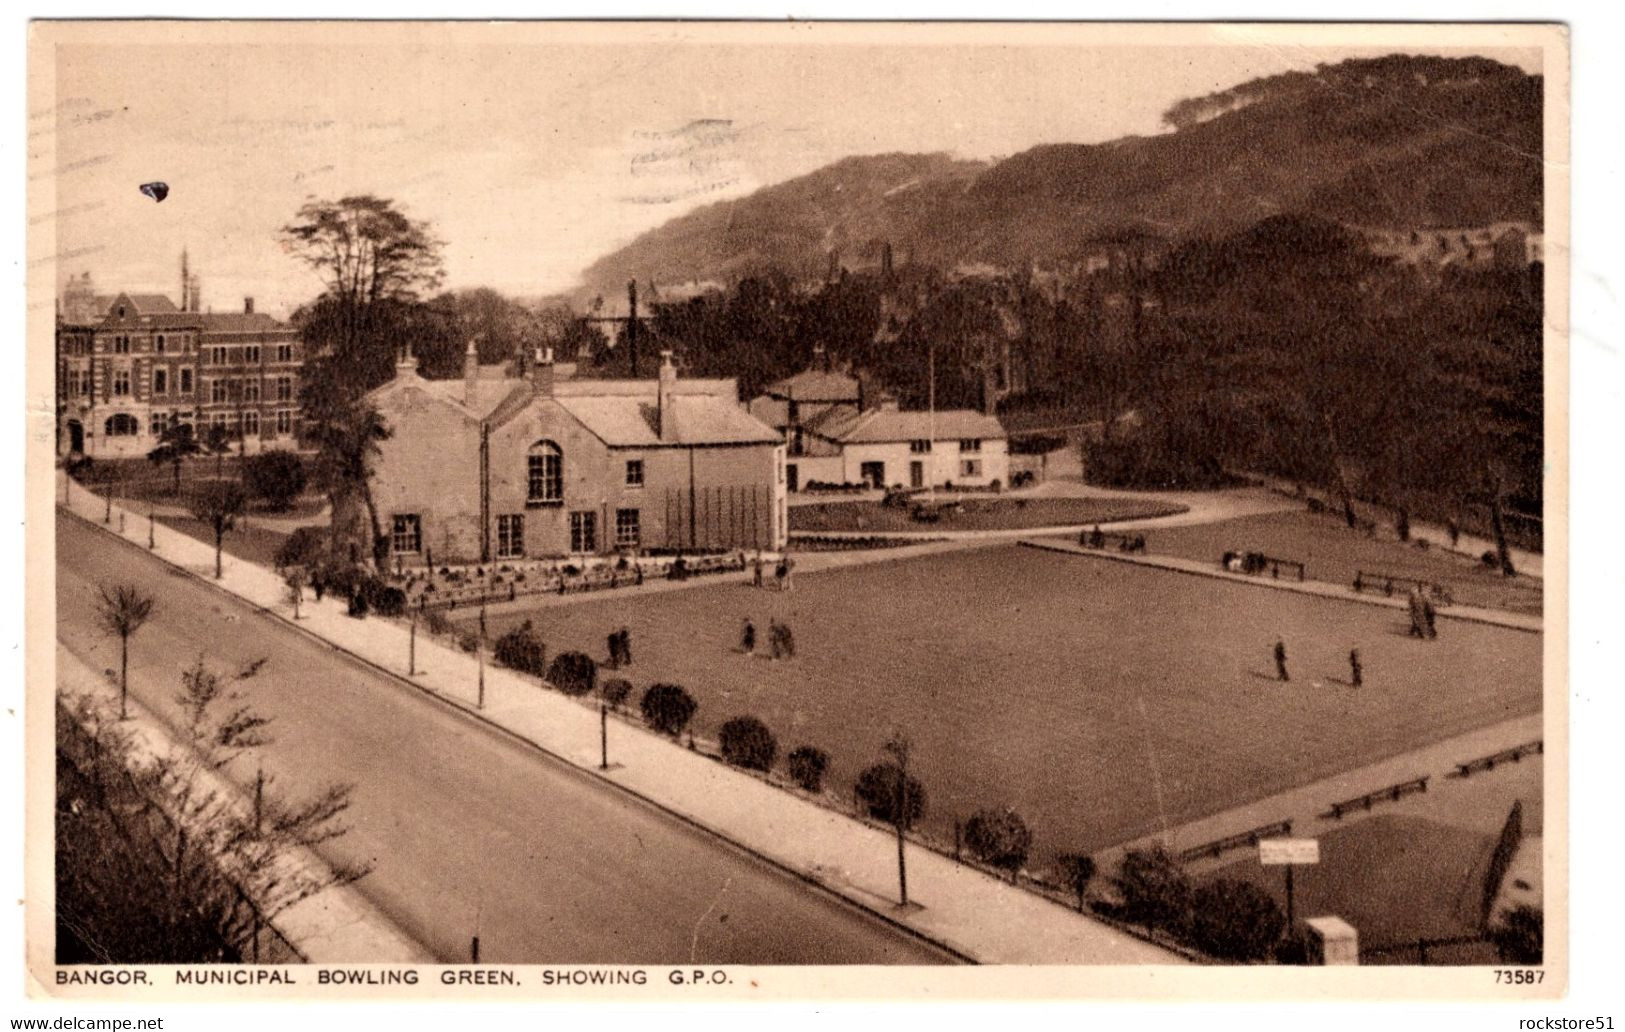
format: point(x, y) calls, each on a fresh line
point(613, 507)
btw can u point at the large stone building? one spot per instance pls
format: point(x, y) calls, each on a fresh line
point(526, 463)
point(131, 365)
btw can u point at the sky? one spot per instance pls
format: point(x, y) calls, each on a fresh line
point(533, 150)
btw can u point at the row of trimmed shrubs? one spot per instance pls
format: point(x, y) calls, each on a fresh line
point(1228, 919)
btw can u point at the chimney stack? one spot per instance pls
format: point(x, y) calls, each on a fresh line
point(541, 372)
point(471, 372)
point(663, 397)
point(248, 306)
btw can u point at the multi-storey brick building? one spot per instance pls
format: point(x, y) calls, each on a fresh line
point(131, 365)
point(500, 466)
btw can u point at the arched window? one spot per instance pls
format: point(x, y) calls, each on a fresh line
point(545, 469)
point(122, 425)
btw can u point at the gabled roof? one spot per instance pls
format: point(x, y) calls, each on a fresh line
point(622, 413)
point(879, 426)
point(775, 412)
point(150, 304)
point(490, 392)
point(816, 385)
point(623, 421)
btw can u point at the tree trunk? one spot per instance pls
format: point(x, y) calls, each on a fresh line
point(177, 466)
point(219, 540)
point(124, 677)
point(376, 525)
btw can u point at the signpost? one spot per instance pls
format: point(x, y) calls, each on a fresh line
point(1288, 853)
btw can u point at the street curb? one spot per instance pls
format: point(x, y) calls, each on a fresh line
point(806, 877)
point(1240, 578)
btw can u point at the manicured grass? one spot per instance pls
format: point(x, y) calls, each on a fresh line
point(1396, 879)
point(1103, 700)
point(976, 514)
point(256, 544)
point(141, 480)
point(1333, 553)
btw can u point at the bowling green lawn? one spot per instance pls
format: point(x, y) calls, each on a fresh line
point(1088, 694)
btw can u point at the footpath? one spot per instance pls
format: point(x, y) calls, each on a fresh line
point(962, 909)
point(336, 925)
point(1310, 807)
point(1320, 589)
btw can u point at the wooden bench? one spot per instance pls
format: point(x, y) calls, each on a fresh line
point(1229, 842)
point(1392, 794)
point(1512, 755)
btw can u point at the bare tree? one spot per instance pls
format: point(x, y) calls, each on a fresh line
point(122, 611)
point(159, 861)
point(898, 748)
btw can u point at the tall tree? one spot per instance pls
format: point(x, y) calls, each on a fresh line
point(366, 252)
point(375, 264)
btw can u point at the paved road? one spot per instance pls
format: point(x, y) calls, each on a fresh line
point(467, 830)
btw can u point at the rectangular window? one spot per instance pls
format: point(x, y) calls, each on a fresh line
point(251, 354)
point(919, 447)
point(121, 381)
point(160, 381)
point(160, 423)
point(970, 468)
point(406, 533)
point(627, 534)
point(251, 423)
point(583, 532)
point(634, 472)
point(972, 444)
point(186, 381)
point(219, 391)
point(121, 345)
point(284, 352)
point(284, 421)
point(511, 536)
point(159, 347)
point(251, 389)
point(284, 388)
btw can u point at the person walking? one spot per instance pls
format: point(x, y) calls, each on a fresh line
point(789, 565)
point(1429, 614)
point(614, 641)
point(1355, 672)
point(789, 647)
point(756, 570)
point(626, 647)
point(747, 638)
point(1280, 661)
point(775, 641)
point(1418, 618)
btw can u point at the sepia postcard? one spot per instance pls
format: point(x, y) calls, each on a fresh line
point(763, 510)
